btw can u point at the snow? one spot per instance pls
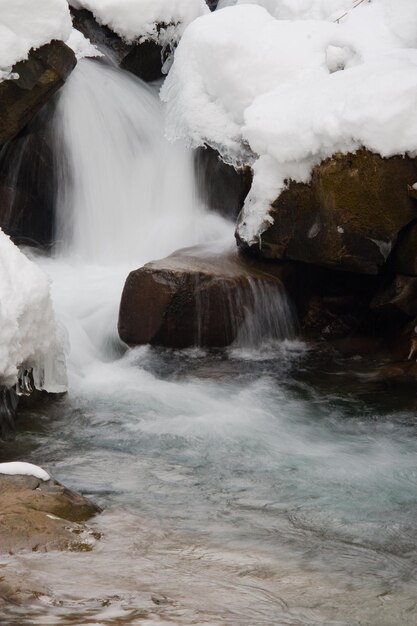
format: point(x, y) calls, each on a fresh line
point(29, 334)
point(19, 468)
point(82, 46)
point(283, 94)
point(139, 19)
point(299, 9)
point(23, 28)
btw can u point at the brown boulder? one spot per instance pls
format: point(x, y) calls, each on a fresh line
point(194, 297)
point(36, 514)
point(40, 77)
point(144, 59)
point(347, 218)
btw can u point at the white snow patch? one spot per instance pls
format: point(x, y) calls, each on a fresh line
point(19, 468)
point(140, 19)
point(82, 46)
point(29, 337)
point(281, 91)
point(25, 24)
point(302, 9)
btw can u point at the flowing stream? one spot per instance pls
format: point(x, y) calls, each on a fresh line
point(268, 484)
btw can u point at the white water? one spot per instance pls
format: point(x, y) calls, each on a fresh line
point(126, 195)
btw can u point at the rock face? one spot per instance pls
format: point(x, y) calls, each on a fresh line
point(38, 515)
point(195, 297)
point(404, 257)
point(222, 187)
point(349, 216)
point(399, 296)
point(40, 77)
point(8, 405)
point(27, 186)
point(142, 59)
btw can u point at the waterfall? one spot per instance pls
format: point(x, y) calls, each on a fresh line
point(125, 194)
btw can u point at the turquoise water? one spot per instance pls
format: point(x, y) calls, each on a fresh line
point(276, 486)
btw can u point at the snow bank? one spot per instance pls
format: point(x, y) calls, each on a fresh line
point(25, 24)
point(298, 9)
point(139, 19)
point(18, 468)
point(28, 332)
point(285, 94)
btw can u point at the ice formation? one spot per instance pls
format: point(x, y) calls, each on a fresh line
point(23, 26)
point(29, 335)
point(283, 94)
point(19, 468)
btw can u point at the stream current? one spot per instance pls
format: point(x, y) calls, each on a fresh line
point(260, 485)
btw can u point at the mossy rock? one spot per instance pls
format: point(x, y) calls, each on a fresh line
point(348, 217)
point(40, 76)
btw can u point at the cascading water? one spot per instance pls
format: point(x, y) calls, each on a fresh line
point(237, 490)
point(125, 194)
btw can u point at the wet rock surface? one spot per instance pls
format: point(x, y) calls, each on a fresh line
point(222, 187)
point(143, 59)
point(40, 76)
point(192, 298)
point(349, 216)
point(27, 184)
point(42, 515)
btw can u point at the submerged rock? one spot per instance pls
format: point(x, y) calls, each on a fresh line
point(40, 515)
point(195, 297)
point(144, 59)
point(348, 217)
point(40, 76)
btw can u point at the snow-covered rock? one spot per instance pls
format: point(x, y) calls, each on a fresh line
point(284, 94)
point(135, 20)
point(29, 336)
point(26, 25)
